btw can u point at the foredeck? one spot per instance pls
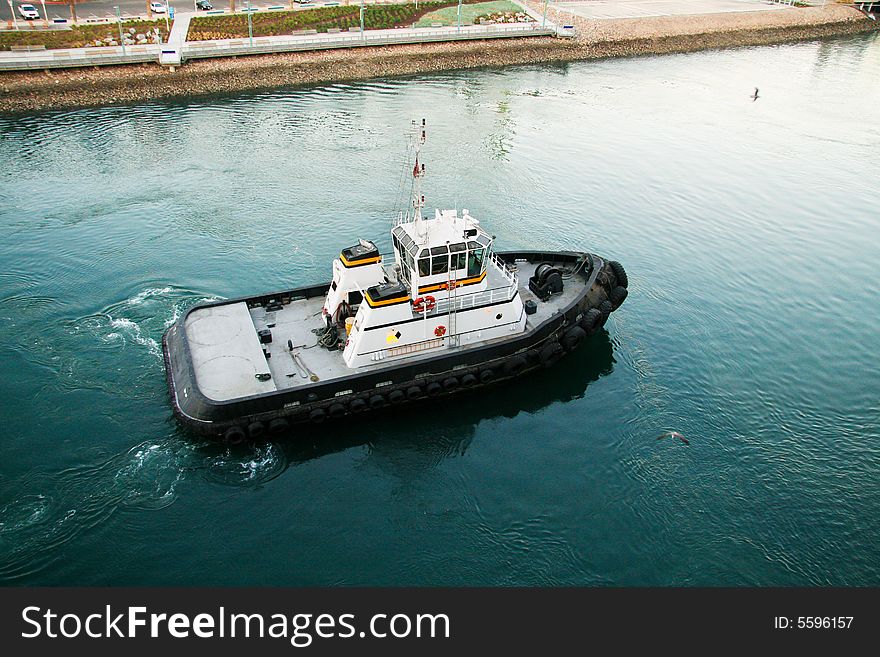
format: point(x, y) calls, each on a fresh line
point(227, 354)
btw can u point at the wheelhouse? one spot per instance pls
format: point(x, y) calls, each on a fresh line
point(452, 249)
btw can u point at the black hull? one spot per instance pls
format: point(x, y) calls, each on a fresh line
point(439, 376)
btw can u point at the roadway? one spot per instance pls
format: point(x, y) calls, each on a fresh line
point(102, 8)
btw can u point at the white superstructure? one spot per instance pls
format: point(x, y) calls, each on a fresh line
point(445, 289)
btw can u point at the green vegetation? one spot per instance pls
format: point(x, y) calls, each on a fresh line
point(76, 37)
point(276, 23)
point(469, 13)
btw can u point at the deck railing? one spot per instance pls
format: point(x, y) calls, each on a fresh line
point(505, 269)
point(474, 299)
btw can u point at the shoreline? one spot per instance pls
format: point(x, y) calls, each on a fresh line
point(23, 92)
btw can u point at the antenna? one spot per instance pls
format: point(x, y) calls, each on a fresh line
point(418, 174)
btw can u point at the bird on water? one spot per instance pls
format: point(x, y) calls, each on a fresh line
point(674, 434)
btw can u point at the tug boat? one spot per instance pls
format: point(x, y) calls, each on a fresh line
point(443, 313)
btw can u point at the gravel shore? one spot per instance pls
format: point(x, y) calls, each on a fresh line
point(25, 92)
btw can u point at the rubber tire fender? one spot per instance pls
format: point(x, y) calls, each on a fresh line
point(619, 273)
point(318, 415)
point(515, 365)
point(533, 356)
point(357, 405)
point(396, 396)
point(414, 392)
point(618, 296)
point(551, 353)
point(573, 337)
point(434, 389)
point(468, 380)
point(450, 384)
point(486, 375)
point(606, 307)
point(278, 425)
point(234, 435)
point(256, 429)
point(336, 410)
point(591, 322)
point(377, 401)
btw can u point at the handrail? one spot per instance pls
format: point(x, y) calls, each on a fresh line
point(474, 299)
point(509, 274)
point(52, 58)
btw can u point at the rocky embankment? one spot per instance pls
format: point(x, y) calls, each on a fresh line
point(24, 92)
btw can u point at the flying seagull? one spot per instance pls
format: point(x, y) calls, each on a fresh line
point(674, 434)
point(754, 96)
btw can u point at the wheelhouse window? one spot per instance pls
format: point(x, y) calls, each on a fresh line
point(424, 263)
point(457, 256)
point(439, 260)
point(475, 262)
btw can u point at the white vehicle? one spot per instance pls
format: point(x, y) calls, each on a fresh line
point(157, 7)
point(28, 12)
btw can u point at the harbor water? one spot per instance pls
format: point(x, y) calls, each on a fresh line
point(750, 230)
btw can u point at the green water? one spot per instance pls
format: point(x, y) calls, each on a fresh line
point(751, 234)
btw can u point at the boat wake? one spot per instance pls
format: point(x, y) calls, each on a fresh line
point(142, 318)
point(249, 466)
point(36, 525)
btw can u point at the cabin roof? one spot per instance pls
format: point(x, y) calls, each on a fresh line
point(446, 227)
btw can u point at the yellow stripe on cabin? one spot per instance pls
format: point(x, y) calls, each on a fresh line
point(461, 283)
point(385, 302)
point(359, 263)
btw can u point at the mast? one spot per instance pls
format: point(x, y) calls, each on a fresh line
point(418, 173)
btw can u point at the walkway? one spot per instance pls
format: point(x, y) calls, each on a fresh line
point(177, 37)
point(610, 9)
point(170, 54)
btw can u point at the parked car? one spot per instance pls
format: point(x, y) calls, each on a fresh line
point(28, 12)
point(204, 5)
point(157, 8)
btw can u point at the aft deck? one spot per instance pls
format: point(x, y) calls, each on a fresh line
point(227, 355)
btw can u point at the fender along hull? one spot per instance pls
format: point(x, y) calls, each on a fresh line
point(411, 381)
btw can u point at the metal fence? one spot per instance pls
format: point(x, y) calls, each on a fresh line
point(262, 45)
point(36, 58)
point(75, 57)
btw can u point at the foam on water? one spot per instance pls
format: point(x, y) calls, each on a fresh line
point(249, 466)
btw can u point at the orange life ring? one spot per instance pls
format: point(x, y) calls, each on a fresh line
point(422, 304)
point(440, 331)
